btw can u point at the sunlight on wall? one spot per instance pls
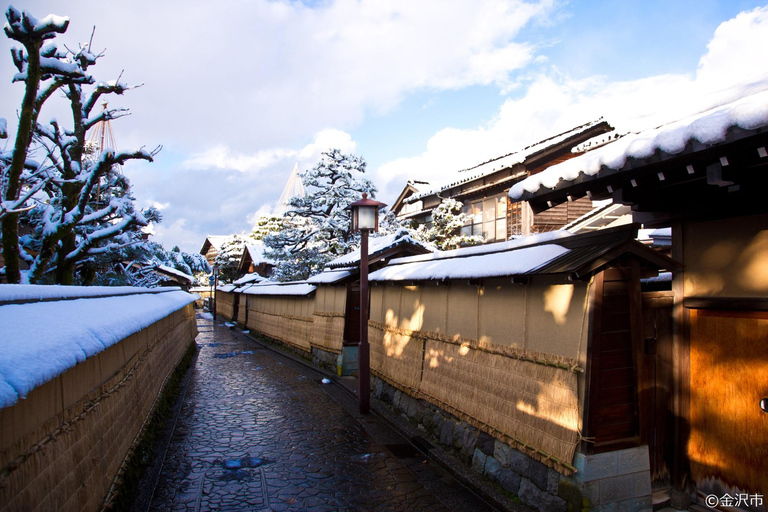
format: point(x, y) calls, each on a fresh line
point(434, 357)
point(557, 300)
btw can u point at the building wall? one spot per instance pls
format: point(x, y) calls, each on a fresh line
point(726, 373)
point(65, 443)
point(502, 356)
point(726, 258)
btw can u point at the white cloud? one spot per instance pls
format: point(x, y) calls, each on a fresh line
point(225, 158)
point(266, 74)
point(734, 63)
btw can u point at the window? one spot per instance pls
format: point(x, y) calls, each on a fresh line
point(487, 218)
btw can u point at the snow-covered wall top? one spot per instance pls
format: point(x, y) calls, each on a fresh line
point(289, 289)
point(710, 127)
point(42, 340)
point(501, 162)
point(498, 264)
point(36, 292)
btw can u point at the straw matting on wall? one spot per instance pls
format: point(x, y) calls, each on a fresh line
point(328, 331)
point(525, 398)
point(294, 330)
point(225, 304)
point(396, 354)
point(533, 403)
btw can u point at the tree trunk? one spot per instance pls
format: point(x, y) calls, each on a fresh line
point(10, 228)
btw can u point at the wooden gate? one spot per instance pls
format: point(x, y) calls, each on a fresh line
point(659, 384)
point(729, 376)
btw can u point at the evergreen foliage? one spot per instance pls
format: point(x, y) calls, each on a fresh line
point(318, 227)
point(445, 232)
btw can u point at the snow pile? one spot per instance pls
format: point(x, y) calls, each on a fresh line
point(708, 128)
point(498, 264)
point(43, 340)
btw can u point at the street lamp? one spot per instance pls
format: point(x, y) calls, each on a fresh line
point(215, 285)
point(365, 218)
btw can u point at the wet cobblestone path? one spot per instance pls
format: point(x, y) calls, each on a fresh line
point(258, 431)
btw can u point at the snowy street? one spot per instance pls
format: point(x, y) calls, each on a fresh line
point(259, 431)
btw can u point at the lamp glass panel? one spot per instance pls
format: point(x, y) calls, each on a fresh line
point(366, 217)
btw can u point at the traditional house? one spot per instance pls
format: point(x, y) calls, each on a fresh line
point(253, 261)
point(483, 190)
point(705, 360)
point(212, 246)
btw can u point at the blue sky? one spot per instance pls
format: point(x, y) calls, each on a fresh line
point(239, 94)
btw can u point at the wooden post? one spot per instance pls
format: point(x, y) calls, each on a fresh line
point(363, 349)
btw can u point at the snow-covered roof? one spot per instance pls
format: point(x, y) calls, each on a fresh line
point(217, 241)
point(502, 162)
point(475, 250)
point(256, 252)
point(227, 288)
point(172, 271)
point(298, 288)
point(509, 263)
point(249, 278)
point(330, 276)
point(42, 340)
point(707, 128)
point(19, 293)
point(378, 245)
point(556, 252)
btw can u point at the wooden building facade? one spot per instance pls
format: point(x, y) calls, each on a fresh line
point(483, 190)
point(704, 176)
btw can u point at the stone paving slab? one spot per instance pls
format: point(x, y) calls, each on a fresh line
point(257, 431)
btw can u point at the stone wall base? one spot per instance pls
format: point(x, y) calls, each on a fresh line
point(535, 484)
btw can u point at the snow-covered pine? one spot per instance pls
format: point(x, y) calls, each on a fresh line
point(445, 231)
point(135, 264)
point(267, 224)
point(229, 256)
point(319, 221)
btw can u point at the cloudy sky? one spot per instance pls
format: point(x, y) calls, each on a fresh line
point(238, 92)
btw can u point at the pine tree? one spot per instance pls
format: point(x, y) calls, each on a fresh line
point(445, 232)
point(318, 230)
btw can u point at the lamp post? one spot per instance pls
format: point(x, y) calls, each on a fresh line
point(215, 285)
point(365, 218)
